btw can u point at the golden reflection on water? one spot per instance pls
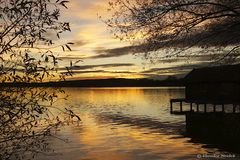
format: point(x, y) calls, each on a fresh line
point(124, 124)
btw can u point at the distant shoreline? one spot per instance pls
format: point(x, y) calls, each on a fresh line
point(102, 83)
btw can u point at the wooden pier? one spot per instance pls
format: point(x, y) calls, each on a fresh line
point(196, 106)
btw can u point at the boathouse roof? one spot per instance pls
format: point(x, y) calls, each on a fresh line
point(216, 74)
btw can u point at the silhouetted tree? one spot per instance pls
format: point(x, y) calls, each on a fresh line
point(28, 117)
point(179, 27)
point(27, 28)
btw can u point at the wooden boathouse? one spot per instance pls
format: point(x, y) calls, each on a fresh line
point(210, 87)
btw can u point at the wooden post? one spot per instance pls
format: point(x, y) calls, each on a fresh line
point(234, 108)
point(197, 107)
point(205, 108)
point(181, 109)
point(214, 108)
point(223, 109)
point(171, 107)
point(191, 107)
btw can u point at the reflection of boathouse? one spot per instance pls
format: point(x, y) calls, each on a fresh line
point(212, 85)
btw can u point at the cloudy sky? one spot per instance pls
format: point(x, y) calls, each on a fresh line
point(104, 56)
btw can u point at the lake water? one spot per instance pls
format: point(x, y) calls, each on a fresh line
point(124, 124)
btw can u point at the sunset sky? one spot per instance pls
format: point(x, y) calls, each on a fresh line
point(104, 56)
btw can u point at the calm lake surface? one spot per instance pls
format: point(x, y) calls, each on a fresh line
point(124, 124)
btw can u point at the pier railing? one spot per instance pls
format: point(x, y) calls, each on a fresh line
point(206, 105)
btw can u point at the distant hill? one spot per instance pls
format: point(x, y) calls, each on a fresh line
point(101, 83)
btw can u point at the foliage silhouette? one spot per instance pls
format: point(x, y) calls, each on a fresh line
point(28, 115)
point(27, 30)
point(179, 28)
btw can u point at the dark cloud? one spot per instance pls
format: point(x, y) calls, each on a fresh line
point(208, 57)
point(85, 67)
point(71, 57)
point(182, 69)
point(83, 72)
point(220, 34)
point(216, 36)
point(80, 43)
point(115, 52)
point(102, 71)
point(153, 73)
